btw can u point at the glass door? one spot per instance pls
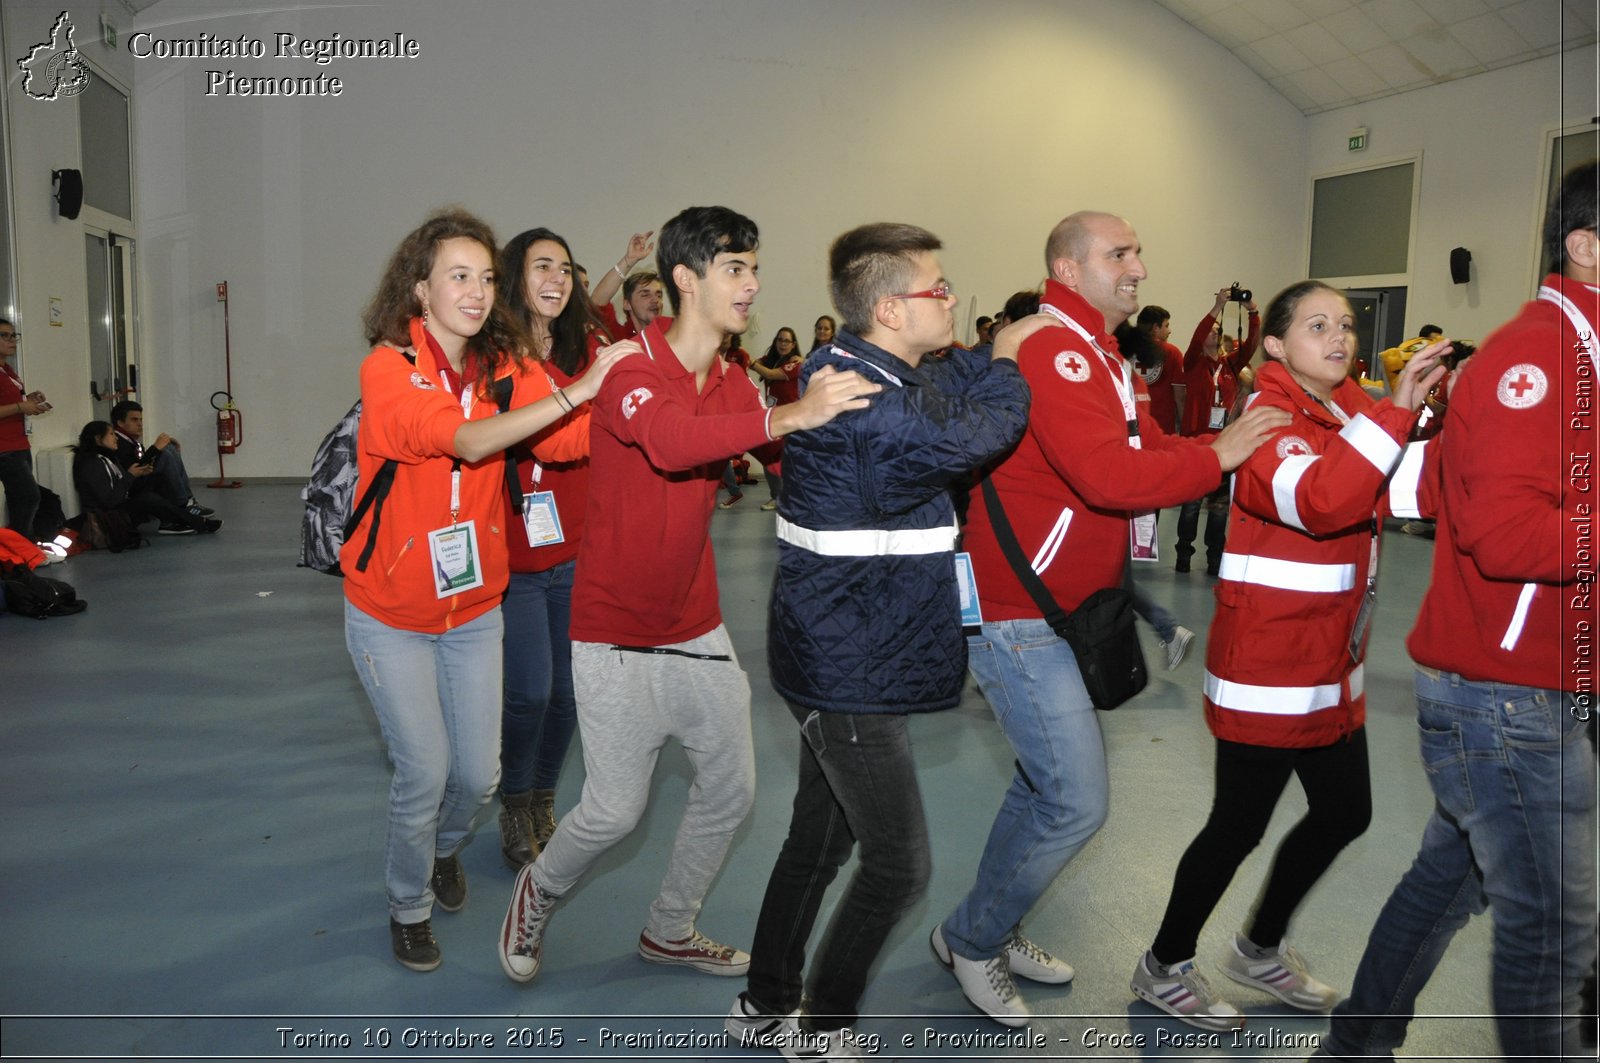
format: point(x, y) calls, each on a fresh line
point(113, 375)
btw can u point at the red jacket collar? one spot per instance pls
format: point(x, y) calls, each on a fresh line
point(1078, 309)
point(1273, 379)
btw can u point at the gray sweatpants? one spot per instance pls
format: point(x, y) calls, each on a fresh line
point(629, 704)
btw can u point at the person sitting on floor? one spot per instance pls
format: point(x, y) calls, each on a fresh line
point(106, 489)
point(164, 456)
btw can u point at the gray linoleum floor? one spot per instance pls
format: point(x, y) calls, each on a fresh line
point(194, 794)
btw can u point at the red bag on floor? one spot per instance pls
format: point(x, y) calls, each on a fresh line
point(18, 549)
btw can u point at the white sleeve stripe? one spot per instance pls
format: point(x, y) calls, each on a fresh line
point(1371, 442)
point(1284, 482)
point(1407, 479)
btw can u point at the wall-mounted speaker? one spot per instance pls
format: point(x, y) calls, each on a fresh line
point(1460, 265)
point(69, 191)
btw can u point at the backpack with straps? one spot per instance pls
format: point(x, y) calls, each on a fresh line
point(330, 518)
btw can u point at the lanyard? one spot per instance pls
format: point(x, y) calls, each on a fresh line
point(1122, 381)
point(1580, 324)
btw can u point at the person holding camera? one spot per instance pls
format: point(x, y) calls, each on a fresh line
point(1211, 368)
point(1283, 683)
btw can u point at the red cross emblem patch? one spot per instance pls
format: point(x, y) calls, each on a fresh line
point(1522, 386)
point(1072, 366)
point(1293, 446)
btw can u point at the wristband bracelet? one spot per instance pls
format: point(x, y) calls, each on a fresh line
point(618, 271)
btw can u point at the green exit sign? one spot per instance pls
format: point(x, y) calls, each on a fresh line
point(1358, 141)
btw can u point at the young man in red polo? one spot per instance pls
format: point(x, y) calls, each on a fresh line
point(651, 659)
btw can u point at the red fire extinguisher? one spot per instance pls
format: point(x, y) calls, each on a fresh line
point(230, 423)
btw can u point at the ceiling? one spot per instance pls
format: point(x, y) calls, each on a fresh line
point(1323, 54)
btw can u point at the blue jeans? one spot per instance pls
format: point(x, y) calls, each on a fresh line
point(858, 786)
point(438, 703)
point(1059, 795)
point(1513, 829)
point(1165, 623)
point(540, 711)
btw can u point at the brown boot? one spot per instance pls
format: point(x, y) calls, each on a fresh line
point(544, 816)
point(517, 842)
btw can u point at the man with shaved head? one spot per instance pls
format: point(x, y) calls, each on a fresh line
point(1075, 491)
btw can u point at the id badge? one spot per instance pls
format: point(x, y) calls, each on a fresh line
point(967, 584)
point(540, 519)
point(1358, 631)
point(454, 553)
point(1142, 537)
point(1219, 415)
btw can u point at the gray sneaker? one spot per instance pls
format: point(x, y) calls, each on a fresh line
point(1282, 973)
point(1177, 646)
point(1184, 993)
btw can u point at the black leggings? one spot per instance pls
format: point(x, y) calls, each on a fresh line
point(1250, 779)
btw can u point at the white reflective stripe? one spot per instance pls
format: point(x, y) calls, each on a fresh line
point(1358, 681)
point(1519, 618)
point(1287, 575)
point(890, 377)
point(1407, 479)
point(1371, 442)
point(1052, 542)
point(869, 542)
point(1281, 701)
point(1284, 482)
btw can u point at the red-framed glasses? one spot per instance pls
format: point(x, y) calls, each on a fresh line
point(940, 291)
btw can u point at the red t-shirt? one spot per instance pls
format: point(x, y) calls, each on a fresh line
point(646, 575)
point(568, 481)
point(13, 429)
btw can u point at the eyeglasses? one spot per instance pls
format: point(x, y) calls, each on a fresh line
point(10, 335)
point(939, 291)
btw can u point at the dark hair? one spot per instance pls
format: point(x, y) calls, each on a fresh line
point(697, 235)
point(1136, 343)
point(1021, 304)
point(387, 318)
point(89, 437)
point(772, 359)
point(635, 281)
point(120, 411)
point(983, 319)
point(1280, 312)
point(870, 262)
point(1152, 316)
point(1428, 330)
point(569, 332)
point(1573, 208)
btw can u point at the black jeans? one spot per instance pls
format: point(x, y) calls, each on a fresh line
point(858, 785)
point(22, 490)
point(1249, 781)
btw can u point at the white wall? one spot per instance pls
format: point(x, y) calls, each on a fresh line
point(986, 123)
point(50, 252)
point(1484, 144)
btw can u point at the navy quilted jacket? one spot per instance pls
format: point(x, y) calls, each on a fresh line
point(865, 613)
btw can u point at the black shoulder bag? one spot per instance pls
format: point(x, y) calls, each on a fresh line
point(1100, 631)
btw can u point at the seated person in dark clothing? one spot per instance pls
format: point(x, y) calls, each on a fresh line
point(104, 486)
point(164, 456)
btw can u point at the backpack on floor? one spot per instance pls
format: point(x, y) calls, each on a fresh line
point(29, 594)
point(330, 518)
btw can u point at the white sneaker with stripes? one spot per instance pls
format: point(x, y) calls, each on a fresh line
point(1282, 973)
point(1182, 991)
